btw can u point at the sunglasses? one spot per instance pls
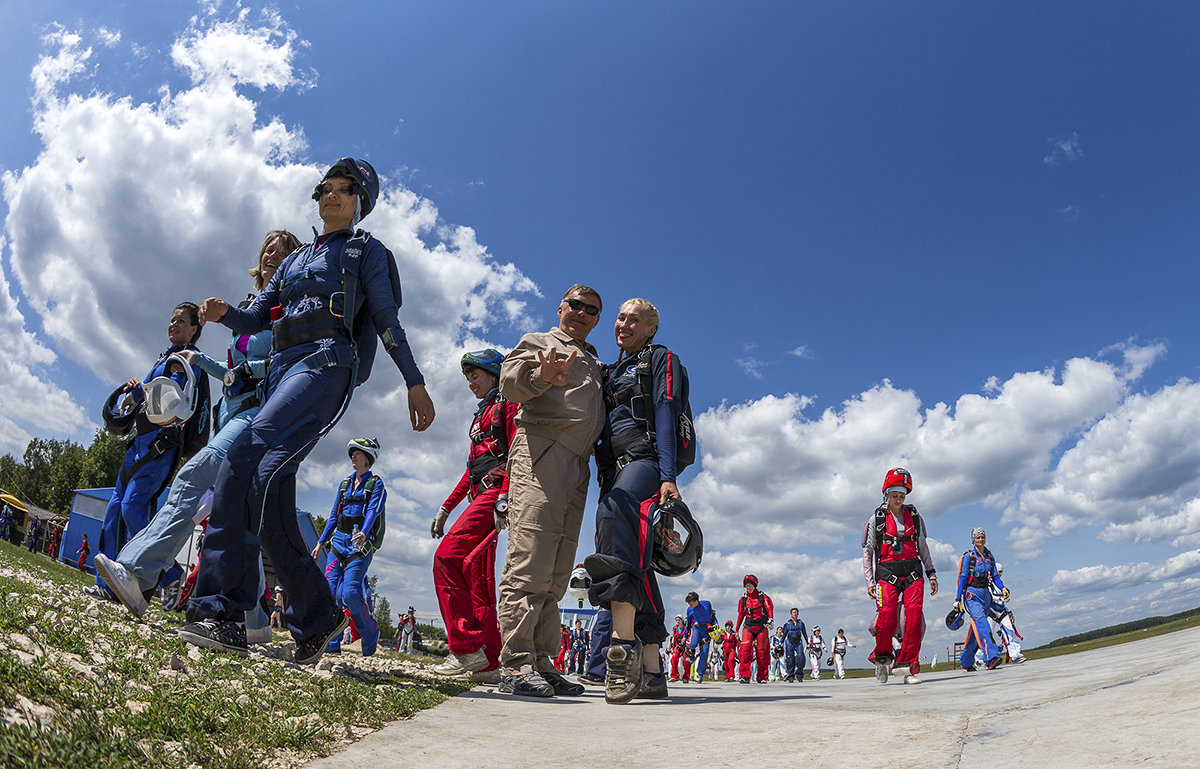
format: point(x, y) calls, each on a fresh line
point(324, 189)
point(579, 304)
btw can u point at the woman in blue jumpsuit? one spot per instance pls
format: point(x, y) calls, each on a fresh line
point(141, 564)
point(347, 535)
point(153, 452)
point(322, 319)
point(622, 578)
point(976, 573)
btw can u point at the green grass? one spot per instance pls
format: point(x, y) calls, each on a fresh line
point(108, 696)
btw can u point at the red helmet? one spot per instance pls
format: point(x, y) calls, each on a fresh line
point(897, 478)
point(751, 579)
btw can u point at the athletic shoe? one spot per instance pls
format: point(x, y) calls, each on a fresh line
point(221, 634)
point(762, 680)
point(969, 668)
point(261, 635)
point(527, 685)
point(675, 680)
point(790, 680)
point(624, 676)
point(309, 651)
point(1020, 658)
point(993, 663)
point(99, 593)
point(654, 687)
point(172, 594)
point(484, 676)
point(591, 679)
point(743, 680)
point(461, 664)
point(911, 679)
point(881, 670)
point(562, 687)
point(122, 584)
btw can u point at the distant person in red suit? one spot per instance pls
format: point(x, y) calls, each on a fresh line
point(755, 613)
point(84, 551)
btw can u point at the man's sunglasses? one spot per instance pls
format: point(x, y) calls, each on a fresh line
point(324, 189)
point(579, 304)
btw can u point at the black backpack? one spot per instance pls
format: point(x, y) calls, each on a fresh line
point(685, 433)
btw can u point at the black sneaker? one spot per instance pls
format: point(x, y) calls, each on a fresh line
point(309, 651)
point(969, 668)
point(526, 685)
point(591, 679)
point(654, 687)
point(221, 634)
point(743, 680)
point(562, 687)
point(993, 663)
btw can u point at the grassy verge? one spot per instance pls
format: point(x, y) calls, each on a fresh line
point(83, 684)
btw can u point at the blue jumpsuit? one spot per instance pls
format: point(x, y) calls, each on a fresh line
point(620, 569)
point(975, 574)
point(699, 619)
point(307, 383)
point(795, 640)
point(132, 501)
point(347, 569)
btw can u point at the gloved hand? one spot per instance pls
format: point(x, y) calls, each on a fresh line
point(1004, 593)
point(438, 529)
point(958, 606)
point(500, 512)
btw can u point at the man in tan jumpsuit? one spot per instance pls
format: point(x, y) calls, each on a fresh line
point(556, 378)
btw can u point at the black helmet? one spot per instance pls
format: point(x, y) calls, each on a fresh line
point(363, 174)
point(120, 413)
point(678, 541)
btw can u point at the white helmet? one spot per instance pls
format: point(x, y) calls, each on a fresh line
point(368, 446)
point(167, 402)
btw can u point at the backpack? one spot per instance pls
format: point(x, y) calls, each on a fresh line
point(379, 528)
point(362, 327)
point(685, 433)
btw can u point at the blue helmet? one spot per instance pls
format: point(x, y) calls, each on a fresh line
point(489, 360)
point(954, 620)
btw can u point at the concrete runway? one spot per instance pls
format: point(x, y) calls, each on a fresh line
point(1135, 703)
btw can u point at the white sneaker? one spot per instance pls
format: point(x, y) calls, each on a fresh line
point(123, 584)
point(462, 664)
point(911, 679)
point(484, 677)
point(881, 671)
point(260, 635)
point(1019, 659)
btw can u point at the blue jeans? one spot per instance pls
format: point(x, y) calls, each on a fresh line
point(255, 506)
point(133, 498)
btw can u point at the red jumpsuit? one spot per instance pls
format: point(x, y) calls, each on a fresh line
point(679, 641)
point(756, 610)
point(729, 646)
point(560, 661)
point(909, 591)
point(464, 565)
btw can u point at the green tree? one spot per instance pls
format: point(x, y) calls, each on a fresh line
point(102, 461)
point(64, 479)
point(12, 477)
point(41, 455)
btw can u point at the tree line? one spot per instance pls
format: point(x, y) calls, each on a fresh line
point(1124, 627)
point(50, 470)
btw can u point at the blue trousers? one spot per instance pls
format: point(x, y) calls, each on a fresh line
point(255, 506)
point(597, 663)
point(793, 658)
point(700, 644)
point(976, 600)
point(347, 577)
point(132, 501)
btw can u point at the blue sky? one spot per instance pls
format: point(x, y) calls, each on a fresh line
point(950, 237)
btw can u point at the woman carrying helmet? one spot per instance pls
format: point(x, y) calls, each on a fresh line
point(756, 611)
point(976, 576)
point(323, 306)
point(840, 645)
point(816, 652)
point(349, 533)
point(729, 645)
point(464, 565)
point(622, 577)
point(154, 449)
point(144, 561)
point(896, 561)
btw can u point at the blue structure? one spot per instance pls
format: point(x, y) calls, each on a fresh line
point(87, 515)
